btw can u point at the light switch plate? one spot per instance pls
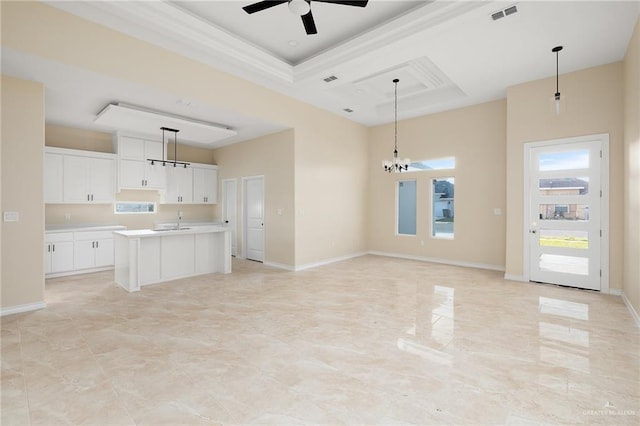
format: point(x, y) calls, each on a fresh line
point(10, 216)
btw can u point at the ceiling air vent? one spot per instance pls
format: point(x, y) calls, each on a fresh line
point(504, 12)
point(330, 78)
point(497, 15)
point(348, 110)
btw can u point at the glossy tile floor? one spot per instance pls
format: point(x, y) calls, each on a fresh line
point(372, 340)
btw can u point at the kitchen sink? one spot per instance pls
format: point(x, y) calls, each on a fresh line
point(182, 228)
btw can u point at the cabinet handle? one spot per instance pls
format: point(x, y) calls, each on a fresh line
point(88, 197)
point(96, 244)
point(93, 244)
point(48, 248)
point(53, 248)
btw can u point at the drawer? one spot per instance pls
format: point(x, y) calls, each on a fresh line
point(93, 235)
point(54, 237)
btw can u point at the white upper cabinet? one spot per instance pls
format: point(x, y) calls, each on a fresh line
point(53, 178)
point(134, 171)
point(89, 180)
point(79, 177)
point(179, 185)
point(205, 184)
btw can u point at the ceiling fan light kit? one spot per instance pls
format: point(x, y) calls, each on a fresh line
point(301, 8)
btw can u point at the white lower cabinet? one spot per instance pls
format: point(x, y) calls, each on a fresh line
point(93, 249)
point(58, 253)
point(68, 253)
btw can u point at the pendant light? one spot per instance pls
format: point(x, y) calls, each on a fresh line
point(396, 165)
point(556, 50)
point(164, 161)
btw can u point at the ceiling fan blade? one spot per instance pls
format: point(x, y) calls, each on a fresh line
point(309, 23)
point(346, 2)
point(262, 5)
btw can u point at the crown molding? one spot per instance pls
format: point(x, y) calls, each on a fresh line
point(420, 20)
point(194, 33)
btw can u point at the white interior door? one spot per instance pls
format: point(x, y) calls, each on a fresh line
point(230, 211)
point(565, 218)
point(254, 218)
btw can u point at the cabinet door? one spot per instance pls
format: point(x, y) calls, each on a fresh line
point(131, 174)
point(131, 148)
point(155, 175)
point(179, 185)
point(205, 185)
point(76, 179)
point(102, 171)
point(47, 258)
point(104, 252)
point(84, 254)
point(53, 167)
point(62, 256)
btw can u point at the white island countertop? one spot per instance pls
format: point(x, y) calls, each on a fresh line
point(141, 233)
point(146, 256)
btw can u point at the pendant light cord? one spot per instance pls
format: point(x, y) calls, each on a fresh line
point(395, 136)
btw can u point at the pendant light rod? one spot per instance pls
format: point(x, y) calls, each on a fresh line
point(556, 50)
point(164, 161)
point(395, 165)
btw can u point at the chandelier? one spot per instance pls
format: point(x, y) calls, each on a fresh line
point(164, 161)
point(396, 165)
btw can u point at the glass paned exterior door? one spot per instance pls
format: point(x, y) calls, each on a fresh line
point(564, 217)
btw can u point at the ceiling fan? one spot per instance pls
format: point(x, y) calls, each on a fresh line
point(301, 8)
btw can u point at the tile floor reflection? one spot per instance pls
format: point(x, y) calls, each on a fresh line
point(372, 340)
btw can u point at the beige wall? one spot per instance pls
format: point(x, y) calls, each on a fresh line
point(594, 105)
point(87, 140)
point(330, 190)
point(22, 185)
point(475, 136)
point(270, 156)
point(631, 72)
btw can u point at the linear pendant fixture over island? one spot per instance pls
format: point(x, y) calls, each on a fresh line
point(144, 257)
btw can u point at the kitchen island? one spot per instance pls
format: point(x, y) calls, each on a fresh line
point(144, 257)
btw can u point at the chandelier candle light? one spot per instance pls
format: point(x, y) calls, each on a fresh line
point(557, 94)
point(396, 165)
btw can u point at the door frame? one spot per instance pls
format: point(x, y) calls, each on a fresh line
point(224, 206)
point(603, 138)
point(244, 215)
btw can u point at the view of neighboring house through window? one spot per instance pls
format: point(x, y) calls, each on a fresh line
point(134, 207)
point(443, 211)
point(406, 214)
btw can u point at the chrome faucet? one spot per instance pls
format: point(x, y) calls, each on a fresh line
point(179, 219)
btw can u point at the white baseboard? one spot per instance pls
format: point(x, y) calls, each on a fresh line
point(613, 292)
point(329, 261)
point(513, 277)
point(438, 260)
point(79, 272)
point(279, 266)
point(22, 308)
point(634, 314)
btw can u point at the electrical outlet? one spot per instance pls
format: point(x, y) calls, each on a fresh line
point(67, 216)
